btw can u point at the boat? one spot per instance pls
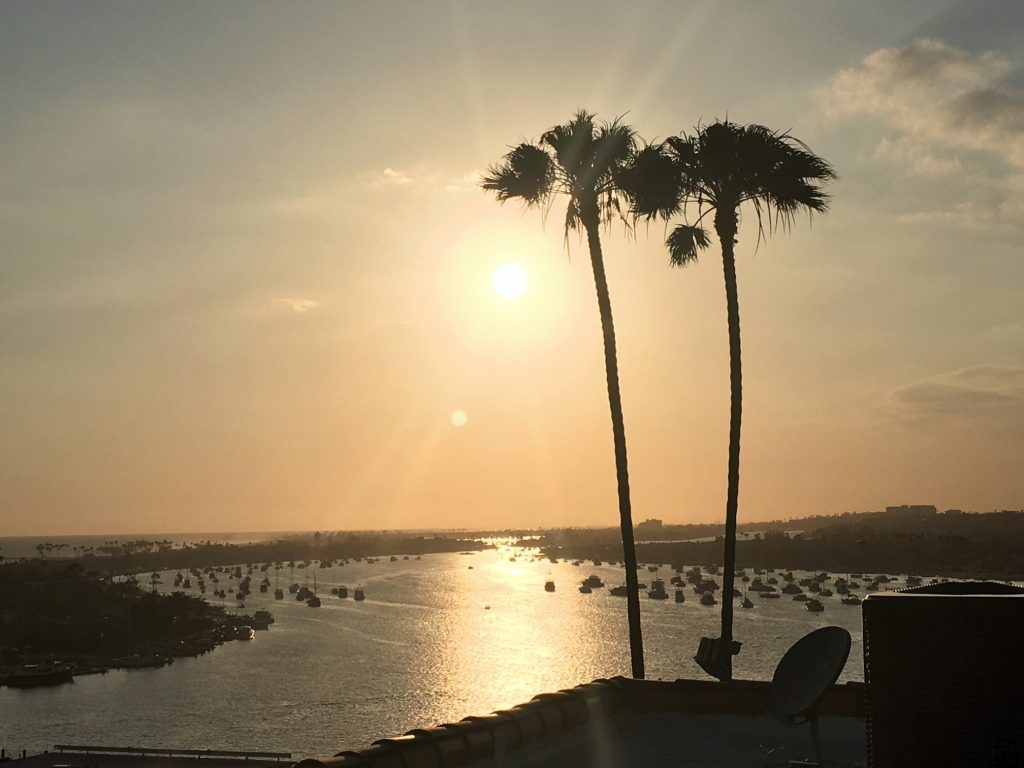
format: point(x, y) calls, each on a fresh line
point(313, 602)
point(792, 589)
point(802, 598)
point(293, 588)
point(244, 632)
point(680, 596)
point(814, 606)
point(593, 581)
point(657, 591)
point(549, 586)
point(38, 675)
point(343, 592)
point(619, 591)
point(279, 594)
point(708, 598)
point(585, 588)
point(262, 620)
point(850, 600)
point(304, 593)
point(747, 603)
point(359, 594)
point(771, 595)
point(826, 593)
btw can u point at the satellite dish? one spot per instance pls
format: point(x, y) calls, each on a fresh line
point(807, 671)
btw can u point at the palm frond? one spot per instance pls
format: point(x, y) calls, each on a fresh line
point(683, 244)
point(653, 184)
point(572, 143)
point(526, 172)
point(612, 148)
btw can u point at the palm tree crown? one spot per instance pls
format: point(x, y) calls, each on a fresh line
point(720, 167)
point(587, 161)
point(583, 159)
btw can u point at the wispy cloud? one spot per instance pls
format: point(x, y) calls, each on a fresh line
point(295, 306)
point(391, 176)
point(983, 395)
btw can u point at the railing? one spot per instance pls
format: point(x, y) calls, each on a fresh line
point(196, 753)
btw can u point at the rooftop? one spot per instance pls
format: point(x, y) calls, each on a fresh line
point(625, 722)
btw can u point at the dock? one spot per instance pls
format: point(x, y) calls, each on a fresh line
point(85, 756)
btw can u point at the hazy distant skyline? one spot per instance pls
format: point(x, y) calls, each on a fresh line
point(245, 266)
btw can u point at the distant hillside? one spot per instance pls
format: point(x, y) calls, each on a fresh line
point(905, 540)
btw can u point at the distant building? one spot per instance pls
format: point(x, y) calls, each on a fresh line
point(649, 526)
point(912, 510)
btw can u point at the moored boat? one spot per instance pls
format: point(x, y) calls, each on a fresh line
point(38, 675)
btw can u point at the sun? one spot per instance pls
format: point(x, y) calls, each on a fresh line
point(509, 281)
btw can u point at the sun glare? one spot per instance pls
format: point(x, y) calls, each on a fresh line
point(459, 418)
point(509, 281)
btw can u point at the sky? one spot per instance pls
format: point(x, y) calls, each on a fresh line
point(246, 267)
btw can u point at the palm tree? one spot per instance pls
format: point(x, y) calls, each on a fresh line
point(718, 169)
point(583, 159)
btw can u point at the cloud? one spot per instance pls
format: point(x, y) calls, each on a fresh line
point(938, 97)
point(328, 199)
point(947, 112)
point(391, 176)
point(1007, 214)
point(1006, 333)
point(293, 305)
point(982, 395)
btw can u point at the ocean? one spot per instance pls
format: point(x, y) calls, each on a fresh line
point(436, 639)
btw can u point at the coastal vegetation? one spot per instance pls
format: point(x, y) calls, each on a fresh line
point(586, 161)
point(140, 555)
point(52, 610)
point(953, 544)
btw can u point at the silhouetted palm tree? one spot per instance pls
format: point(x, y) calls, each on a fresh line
point(718, 169)
point(583, 159)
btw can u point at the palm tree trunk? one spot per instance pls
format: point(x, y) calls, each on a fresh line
point(727, 235)
point(591, 223)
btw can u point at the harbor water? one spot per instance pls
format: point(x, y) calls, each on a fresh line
point(436, 639)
